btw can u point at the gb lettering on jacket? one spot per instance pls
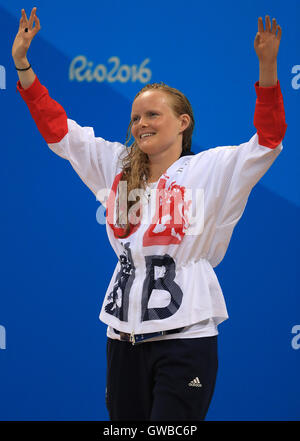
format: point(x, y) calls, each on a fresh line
point(154, 229)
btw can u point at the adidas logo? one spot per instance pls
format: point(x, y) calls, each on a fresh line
point(195, 382)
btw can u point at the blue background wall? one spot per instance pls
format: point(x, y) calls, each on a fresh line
point(56, 261)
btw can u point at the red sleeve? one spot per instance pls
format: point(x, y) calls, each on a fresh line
point(49, 116)
point(269, 116)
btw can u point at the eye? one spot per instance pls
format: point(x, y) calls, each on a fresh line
point(135, 118)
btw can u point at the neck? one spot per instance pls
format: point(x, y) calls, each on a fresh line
point(160, 163)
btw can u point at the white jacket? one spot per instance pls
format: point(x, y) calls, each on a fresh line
point(164, 277)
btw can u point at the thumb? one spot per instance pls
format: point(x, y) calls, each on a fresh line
point(257, 39)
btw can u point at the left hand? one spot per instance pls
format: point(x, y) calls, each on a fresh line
point(266, 43)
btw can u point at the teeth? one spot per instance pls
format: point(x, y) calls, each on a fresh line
point(147, 134)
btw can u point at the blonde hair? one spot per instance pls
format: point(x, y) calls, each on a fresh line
point(135, 165)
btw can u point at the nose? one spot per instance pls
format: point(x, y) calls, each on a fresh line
point(143, 122)
point(140, 126)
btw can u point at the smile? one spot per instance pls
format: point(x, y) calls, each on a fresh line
point(146, 135)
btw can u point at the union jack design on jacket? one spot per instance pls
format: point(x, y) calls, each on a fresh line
point(164, 277)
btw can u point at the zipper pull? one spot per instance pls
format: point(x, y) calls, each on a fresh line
point(132, 339)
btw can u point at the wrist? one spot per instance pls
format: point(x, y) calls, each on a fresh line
point(268, 74)
point(268, 65)
point(21, 63)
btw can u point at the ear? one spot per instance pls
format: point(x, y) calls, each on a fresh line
point(185, 120)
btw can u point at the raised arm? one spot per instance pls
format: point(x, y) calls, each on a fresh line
point(21, 45)
point(269, 116)
point(93, 158)
point(239, 168)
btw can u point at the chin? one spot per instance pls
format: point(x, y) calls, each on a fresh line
point(148, 149)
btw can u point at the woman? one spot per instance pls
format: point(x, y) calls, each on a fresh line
point(164, 302)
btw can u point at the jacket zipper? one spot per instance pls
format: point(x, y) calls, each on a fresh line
point(139, 239)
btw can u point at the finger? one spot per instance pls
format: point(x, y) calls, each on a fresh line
point(274, 26)
point(37, 26)
point(268, 23)
point(23, 21)
point(23, 18)
point(30, 23)
point(24, 15)
point(256, 39)
point(31, 18)
point(279, 33)
point(260, 25)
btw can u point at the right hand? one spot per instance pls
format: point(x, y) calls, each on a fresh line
point(23, 39)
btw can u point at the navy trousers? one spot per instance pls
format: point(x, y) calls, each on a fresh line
point(161, 380)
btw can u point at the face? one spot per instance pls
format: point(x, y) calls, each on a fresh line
point(152, 113)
